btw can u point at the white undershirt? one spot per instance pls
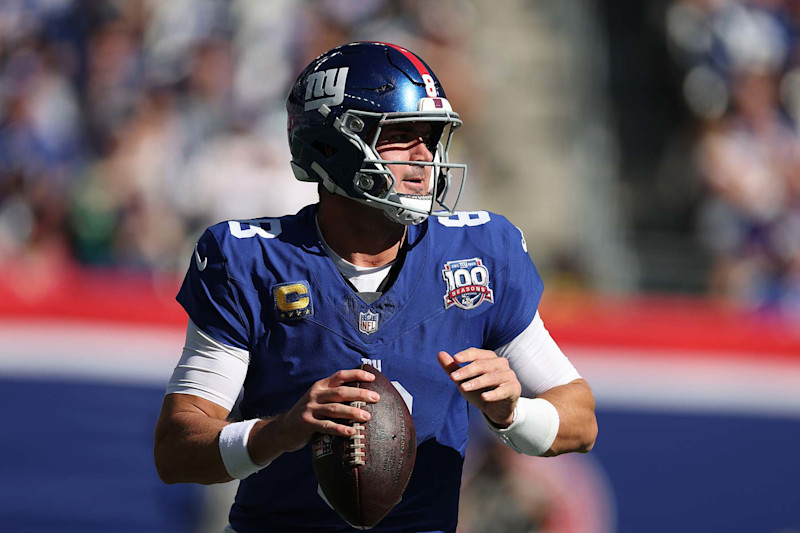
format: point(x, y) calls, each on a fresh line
point(364, 279)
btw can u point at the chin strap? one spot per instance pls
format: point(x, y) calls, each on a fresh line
point(407, 217)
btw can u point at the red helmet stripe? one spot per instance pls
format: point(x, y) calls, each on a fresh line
point(420, 66)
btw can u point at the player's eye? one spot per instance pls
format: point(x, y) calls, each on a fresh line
point(401, 137)
point(406, 135)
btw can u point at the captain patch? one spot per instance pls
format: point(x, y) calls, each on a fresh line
point(467, 283)
point(292, 300)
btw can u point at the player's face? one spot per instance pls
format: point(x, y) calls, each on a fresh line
point(407, 142)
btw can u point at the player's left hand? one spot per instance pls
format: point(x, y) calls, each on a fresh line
point(486, 381)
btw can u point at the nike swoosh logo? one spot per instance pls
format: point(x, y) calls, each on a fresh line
point(201, 265)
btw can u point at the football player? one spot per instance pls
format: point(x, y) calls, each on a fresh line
point(382, 270)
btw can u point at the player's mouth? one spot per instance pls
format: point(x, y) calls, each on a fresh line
point(413, 183)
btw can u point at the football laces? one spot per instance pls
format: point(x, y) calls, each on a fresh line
point(356, 446)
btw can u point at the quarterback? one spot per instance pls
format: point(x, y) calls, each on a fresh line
point(382, 270)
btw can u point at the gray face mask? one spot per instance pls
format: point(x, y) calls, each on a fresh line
point(376, 183)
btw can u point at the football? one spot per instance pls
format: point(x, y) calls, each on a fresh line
point(363, 477)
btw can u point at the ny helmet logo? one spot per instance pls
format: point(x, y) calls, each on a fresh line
point(325, 88)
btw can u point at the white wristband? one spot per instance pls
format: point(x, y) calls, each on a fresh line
point(233, 449)
point(534, 428)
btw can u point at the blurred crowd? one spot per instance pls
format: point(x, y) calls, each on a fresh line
point(740, 63)
point(128, 126)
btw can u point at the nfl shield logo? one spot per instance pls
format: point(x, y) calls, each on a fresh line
point(368, 322)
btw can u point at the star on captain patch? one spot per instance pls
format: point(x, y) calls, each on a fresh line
point(368, 322)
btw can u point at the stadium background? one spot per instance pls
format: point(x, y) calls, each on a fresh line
point(648, 149)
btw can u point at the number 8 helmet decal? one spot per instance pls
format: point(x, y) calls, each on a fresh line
point(337, 109)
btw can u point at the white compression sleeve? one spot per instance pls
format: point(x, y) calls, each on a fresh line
point(209, 369)
point(216, 371)
point(537, 360)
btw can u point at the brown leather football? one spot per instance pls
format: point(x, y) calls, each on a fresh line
point(363, 477)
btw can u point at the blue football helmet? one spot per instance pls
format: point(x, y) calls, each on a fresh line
point(336, 110)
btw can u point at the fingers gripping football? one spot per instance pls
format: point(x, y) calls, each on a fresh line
point(486, 381)
point(324, 407)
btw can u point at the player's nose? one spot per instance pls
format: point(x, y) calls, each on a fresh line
point(420, 151)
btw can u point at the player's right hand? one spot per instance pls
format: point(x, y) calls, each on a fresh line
point(323, 407)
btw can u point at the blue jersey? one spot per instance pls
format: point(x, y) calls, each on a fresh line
point(267, 286)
